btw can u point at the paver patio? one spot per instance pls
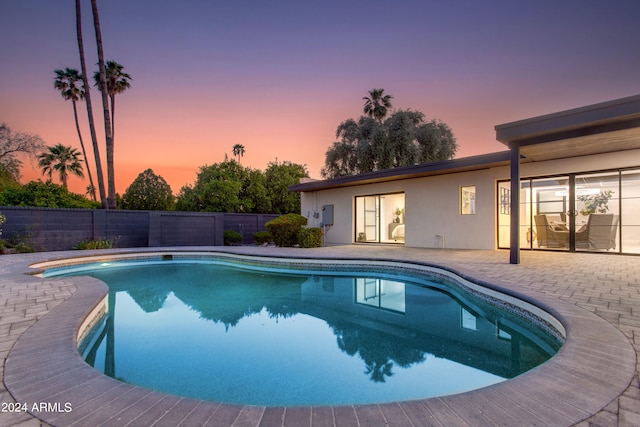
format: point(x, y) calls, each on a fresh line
point(593, 381)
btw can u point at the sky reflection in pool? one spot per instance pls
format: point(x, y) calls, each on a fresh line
point(222, 333)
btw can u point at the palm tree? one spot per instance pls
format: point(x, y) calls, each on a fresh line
point(67, 81)
point(111, 182)
point(238, 151)
point(61, 159)
point(87, 95)
point(117, 82)
point(377, 104)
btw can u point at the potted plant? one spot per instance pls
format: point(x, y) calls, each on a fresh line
point(595, 202)
point(399, 212)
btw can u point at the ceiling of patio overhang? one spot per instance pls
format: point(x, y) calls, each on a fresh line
point(595, 129)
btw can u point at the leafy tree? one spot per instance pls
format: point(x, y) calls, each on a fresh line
point(403, 139)
point(61, 159)
point(68, 82)
point(228, 187)
point(7, 180)
point(44, 194)
point(14, 143)
point(255, 193)
point(217, 189)
point(87, 95)
point(238, 151)
point(148, 192)
point(279, 176)
point(377, 104)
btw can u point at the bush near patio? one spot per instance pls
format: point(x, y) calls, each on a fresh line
point(94, 244)
point(310, 237)
point(232, 238)
point(285, 229)
point(262, 237)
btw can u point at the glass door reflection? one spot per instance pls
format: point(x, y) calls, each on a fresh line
point(381, 293)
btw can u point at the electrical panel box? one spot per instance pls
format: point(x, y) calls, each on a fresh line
point(327, 215)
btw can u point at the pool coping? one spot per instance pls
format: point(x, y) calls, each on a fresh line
point(595, 365)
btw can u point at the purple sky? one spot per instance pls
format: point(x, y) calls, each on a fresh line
point(279, 76)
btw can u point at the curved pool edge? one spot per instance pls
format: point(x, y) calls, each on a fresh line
point(565, 390)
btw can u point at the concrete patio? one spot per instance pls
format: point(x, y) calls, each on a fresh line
point(593, 381)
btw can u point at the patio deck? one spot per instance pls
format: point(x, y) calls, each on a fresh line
point(592, 381)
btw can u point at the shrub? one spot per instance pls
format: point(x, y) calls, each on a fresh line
point(20, 241)
point(285, 229)
point(232, 238)
point(94, 244)
point(310, 237)
point(45, 194)
point(23, 247)
point(262, 237)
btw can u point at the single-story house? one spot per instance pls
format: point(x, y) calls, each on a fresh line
point(579, 190)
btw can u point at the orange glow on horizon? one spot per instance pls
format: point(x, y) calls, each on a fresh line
point(279, 78)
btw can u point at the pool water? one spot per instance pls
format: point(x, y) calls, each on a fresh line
point(274, 337)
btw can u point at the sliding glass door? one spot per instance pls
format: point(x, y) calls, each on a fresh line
point(595, 212)
point(549, 212)
point(379, 218)
point(630, 212)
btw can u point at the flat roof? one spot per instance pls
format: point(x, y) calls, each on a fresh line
point(483, 161)
point(593, 129)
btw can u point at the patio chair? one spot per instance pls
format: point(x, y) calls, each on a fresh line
point(599, 233)
point(550, 231)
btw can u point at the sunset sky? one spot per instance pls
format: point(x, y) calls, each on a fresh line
point(278, 77)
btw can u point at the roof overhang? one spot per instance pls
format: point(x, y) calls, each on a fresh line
point(594, 129)
point(484, 161)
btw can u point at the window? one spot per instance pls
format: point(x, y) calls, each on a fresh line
point(468, 200)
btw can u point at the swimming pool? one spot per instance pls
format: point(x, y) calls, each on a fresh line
point(304, 334)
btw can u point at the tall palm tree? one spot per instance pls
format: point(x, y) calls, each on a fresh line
point(111, 181)
point(68, 81)
point(61, 159)
point(87, 95)
point(238, 151)
point(377, 104)
point(117, 82)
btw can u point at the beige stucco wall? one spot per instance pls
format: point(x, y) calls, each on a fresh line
point(432, 203)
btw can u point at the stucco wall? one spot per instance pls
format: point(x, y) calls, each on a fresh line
point(432, 203)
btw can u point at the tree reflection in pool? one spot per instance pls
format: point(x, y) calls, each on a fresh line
point(225, 333)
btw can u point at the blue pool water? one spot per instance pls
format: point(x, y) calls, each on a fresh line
point(270, 336)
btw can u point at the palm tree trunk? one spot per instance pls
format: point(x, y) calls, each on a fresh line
point(111, 190)
point(87, 96)
point(113, 118)
point(84, 152)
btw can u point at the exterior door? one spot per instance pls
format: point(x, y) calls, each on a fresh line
point(379, 218)
point(597, 212)
point(371, 204)
point(547, 213)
